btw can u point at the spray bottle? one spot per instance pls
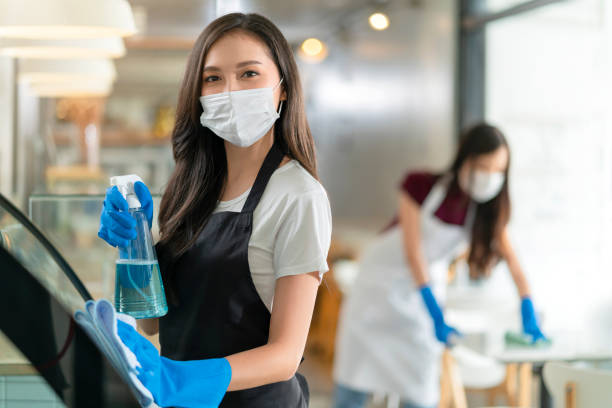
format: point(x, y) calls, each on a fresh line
point(139, 290)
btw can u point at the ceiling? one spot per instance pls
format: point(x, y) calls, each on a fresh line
point(156, 57)
point(297, 19)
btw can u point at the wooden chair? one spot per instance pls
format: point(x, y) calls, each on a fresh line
point(452, 392)
point(322, 336)
point(516, 387)
point(572, 386)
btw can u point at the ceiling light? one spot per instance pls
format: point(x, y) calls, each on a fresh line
point(56, 49)
point(40, 71)
point(379, 21)
point(75, 89)
point(312, 46)
point(313, 50)
point(66, 19)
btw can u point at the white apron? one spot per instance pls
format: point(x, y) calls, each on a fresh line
point(386, 340)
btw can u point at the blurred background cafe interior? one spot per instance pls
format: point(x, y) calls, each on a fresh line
point(390, 86)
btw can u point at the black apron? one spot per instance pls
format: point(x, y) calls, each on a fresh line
point(219, 311)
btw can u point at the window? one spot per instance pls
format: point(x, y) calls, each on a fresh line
point(548, 89)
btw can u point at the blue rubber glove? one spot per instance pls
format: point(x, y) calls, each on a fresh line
point(117, 226)
point(444, 332)
point(194, 383)
point(530, 321)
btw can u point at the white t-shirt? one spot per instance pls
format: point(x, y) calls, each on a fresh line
point(291, 228)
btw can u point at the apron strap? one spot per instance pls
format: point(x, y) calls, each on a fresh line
point(270, 164)
point(436, 196)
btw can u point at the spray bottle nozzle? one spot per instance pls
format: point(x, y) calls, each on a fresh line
point(125, 185)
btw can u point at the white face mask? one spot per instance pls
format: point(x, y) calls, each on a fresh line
point(483, 186)
point(240, 117)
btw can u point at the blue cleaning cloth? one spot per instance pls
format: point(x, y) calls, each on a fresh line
point(523, 340)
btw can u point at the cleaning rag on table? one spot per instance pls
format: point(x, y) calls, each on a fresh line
point(99, 320)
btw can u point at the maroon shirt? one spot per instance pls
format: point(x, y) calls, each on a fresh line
point(452, 210)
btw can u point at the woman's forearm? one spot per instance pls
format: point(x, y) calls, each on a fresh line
point(518, 276)
point(507, 251)
point(409, 218)
point(416, 262)
point(262, 365)
point(148, 326)
point(278, 360)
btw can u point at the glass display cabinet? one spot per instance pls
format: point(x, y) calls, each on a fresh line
point(46, 360)
point(71, 223)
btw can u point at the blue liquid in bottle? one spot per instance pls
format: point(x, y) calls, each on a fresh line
point(138, 288)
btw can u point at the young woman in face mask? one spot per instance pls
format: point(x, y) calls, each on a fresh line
point(392, 328)
point(245, 228)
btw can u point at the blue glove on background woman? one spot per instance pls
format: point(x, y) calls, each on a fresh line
point(530, 321)
point(195, 383)
point(444, 332)
point(117, 226)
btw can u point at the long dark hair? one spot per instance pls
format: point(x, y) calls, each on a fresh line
point(491, 216)
point(200, 173)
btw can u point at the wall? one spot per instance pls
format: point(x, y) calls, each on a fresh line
point(380, 104)
point(7, 125)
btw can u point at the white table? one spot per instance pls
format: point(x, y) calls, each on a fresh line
point(487, 319)
point(566, 346)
